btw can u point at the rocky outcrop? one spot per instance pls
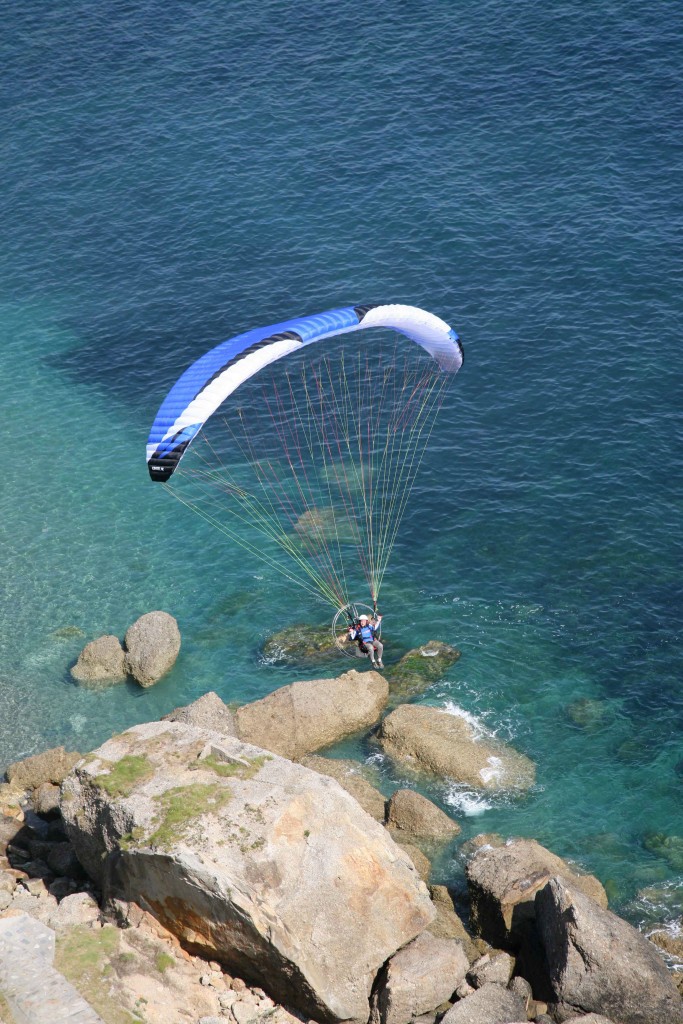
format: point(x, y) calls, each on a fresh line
point(51, 766)
point(412, 814)
point(152, 645)
point(349, 775)
point(419, 668)
point(417, 979)
point(448, 925)
point(101, 662)
point(428, 739)
point(304, 717)
point(599, 963)
point(490, 1004)
point(207, 712)
point(503, 882)
point(301, 644)
point(251, 860)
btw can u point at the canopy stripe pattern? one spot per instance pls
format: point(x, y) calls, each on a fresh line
point(214, 376)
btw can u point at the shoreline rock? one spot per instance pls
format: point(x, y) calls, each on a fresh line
point(580, 939)
point(150, 649)
point(429, 739)
point(307, 716)
point(411, 814)
point(530, 899)
point(503, 882)
point(235, 851)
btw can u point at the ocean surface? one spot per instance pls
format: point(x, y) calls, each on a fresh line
point(176, 173)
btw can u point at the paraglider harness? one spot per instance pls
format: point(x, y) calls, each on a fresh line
point(362, 645)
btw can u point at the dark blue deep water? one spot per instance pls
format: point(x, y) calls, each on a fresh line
point(176, 173)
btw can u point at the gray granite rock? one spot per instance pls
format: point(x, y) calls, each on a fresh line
point(417, 979)
point(305, 716)
point(207, 712)
point(490, 1004)
point(492, 968)
point(503, 881)
point(152, 645)
point(101, 663)
point(601, 964)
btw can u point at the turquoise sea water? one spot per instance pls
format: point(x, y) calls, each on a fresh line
point(175, 173)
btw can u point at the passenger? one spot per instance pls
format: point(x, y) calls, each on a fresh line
point(363, 631)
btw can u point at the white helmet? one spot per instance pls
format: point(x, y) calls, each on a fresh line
point(363, 616)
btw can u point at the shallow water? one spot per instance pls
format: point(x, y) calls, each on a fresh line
point(176, 174)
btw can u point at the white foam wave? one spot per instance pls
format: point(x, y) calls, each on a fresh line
point(494, 771)
point(467, 802)
point(478, 728)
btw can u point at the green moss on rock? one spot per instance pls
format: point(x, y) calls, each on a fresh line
point(300, 644)
point(181, 805)
point(125, 775)
point(84, 956)
point(232, 769)
point(421, 667)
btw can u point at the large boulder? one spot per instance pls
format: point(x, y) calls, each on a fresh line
point(207, 712)
point(503, 882)
point(152, 645)
point(601, 964)
point(421, 667)
point(50, 766)
point(412, 814)
point(303, 717)
point(250, 859)
point(417, 979)
point(349, 775)
point(429, 739)
point(101, 663)
point(490, 1004)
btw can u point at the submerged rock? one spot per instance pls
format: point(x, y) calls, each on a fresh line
point(419, 668)
point(303, 717)
point(428, 739)
point(599, 963)
point(251, 860)
point(152, 646)
point(101, 662)
point(589, 714)
point(503, 882)
point(321, 525)
point(301, 644)
point(669, 847)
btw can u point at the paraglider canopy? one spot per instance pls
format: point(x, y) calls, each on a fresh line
point(214, 376)
point(318, 454)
